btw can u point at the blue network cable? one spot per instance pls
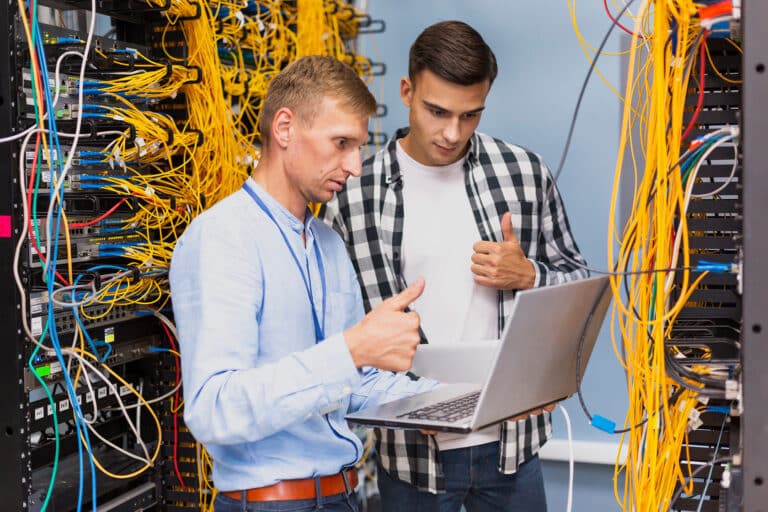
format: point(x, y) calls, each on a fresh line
point(712, 467)
point(80, 429)
point(91, 343)
point(50, 270)
point(52, 402)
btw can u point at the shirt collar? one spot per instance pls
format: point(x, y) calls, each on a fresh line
point(392, 171)
point(281, 213)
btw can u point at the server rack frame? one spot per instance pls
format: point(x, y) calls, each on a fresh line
point(754, 423)
point(15, 468)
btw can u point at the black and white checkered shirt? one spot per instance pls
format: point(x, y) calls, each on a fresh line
point(499, 177)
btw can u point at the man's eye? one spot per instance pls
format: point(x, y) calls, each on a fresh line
point(438, 113)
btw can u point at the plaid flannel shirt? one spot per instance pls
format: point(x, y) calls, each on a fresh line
point(499, 177)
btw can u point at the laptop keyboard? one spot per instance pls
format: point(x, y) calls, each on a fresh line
point(450, 410)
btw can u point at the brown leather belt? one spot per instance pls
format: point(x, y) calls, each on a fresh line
point(303, 489)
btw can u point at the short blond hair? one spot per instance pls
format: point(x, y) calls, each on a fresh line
point(303, 84)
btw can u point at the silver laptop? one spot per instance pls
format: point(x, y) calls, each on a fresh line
point(535, 365)
point(466, 361)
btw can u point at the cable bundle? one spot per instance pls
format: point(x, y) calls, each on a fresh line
point(668, 385)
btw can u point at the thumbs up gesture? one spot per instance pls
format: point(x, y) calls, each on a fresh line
point(503, 265)
point(387, 337)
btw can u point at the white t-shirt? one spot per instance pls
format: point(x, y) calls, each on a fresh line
point(439, 230)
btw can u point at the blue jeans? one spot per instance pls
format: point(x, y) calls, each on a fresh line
point(472, 479)
point(334, 503)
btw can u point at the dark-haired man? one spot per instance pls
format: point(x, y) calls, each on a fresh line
point(478, 227)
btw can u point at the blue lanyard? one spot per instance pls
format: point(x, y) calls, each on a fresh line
point(319, 326)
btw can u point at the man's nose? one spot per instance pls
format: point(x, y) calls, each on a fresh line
point(352, 163)
point(452, 131)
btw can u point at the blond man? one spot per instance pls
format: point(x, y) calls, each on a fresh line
point(275, 346)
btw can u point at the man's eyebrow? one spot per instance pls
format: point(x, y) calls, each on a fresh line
point(438, 107)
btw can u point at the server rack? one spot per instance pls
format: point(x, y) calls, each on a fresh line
point(134, 344)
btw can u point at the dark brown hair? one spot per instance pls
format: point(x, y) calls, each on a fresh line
point(453, 51)
point(303, 84)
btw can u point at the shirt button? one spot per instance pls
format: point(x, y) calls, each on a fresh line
point(346, 390)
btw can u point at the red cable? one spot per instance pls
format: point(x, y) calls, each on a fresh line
point(700, 101)
point(175, 414)
point(708, 12)
point(622, 27)
point(35, 62)
point(98, 219)
point(29, 218)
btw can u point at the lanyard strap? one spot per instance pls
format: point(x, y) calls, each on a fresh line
point(319, 325)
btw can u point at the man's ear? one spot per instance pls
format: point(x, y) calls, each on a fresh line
point(406, 91)
point(282, 126)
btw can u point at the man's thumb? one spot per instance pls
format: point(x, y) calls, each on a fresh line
point(403, 299)
point(506, 228)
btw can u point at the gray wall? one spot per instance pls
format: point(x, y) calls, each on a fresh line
point(541, 69)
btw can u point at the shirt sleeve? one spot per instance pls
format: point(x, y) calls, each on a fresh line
point(377, 386)
point(560, 259)
point(217, 291)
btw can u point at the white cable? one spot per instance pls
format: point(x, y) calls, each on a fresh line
point(70, 302)
point(17, 253)
point(112, 445)
point(83, 360)
point(709, 23)
point(569, 506)
point(59, 180)
point(166, 321)
point(153, 401)
point(728, 180)
point(172, 328)
point(19, 135)
point(87, 299)
point(57, 78)
point(87, 377)
point(93, 398)
point(23, 134)
point(140, 389)
point(688, 193)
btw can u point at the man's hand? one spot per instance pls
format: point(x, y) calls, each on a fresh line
point(503, 265)
point(387, 337)
point(548, 408)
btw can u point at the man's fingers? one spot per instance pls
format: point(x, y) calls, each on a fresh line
point(483, 271)
point(483, 259)
point(403, 299)
point(483, 247)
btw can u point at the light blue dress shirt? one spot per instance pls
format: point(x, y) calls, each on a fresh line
point(265, 399)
